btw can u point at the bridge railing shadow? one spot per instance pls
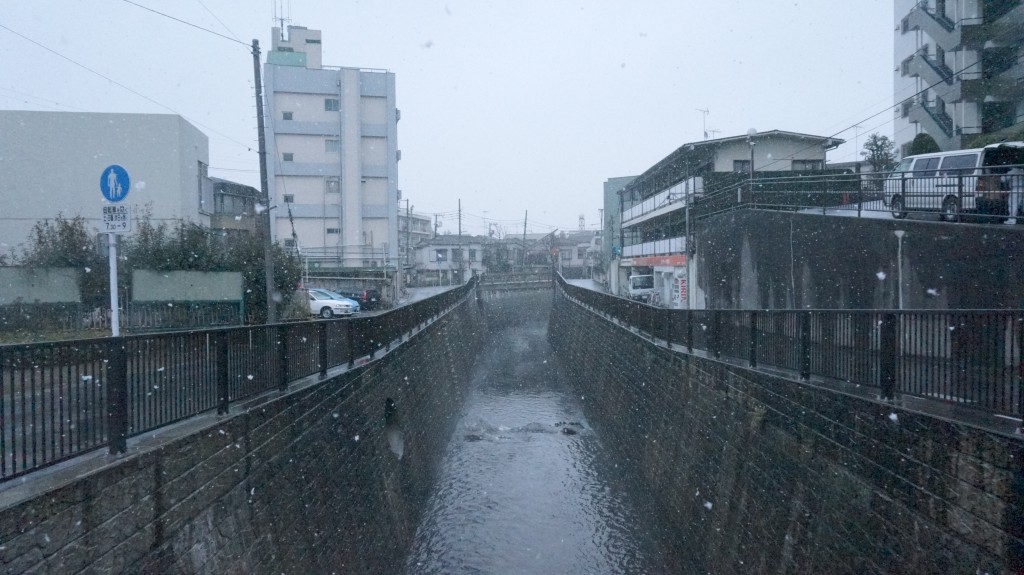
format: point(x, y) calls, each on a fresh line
point(61, 399)
point(968, 358)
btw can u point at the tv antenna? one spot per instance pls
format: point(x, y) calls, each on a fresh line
point(705, 120)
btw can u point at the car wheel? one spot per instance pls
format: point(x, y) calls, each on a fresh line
point(326, 313)
point(896, 205)
point(950, 210)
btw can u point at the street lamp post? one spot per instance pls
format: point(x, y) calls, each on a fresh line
point(750, 140)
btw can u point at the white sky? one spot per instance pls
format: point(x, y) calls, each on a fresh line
point(508, 106)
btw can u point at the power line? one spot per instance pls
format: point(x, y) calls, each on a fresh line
point(218, 20)
point(120, 85)
point(188, 23)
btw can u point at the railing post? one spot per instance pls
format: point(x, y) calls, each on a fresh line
point(753, 339)
point(889, 351)
point(321, 333)
point(351, 339)
point(689, 330)
point(223, 394)
point(282, 358)
point(117, 396)
point(716, 333)
point(805, 345)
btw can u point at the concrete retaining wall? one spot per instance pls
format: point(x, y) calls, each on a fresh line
point(309, 482)
point(753, 473)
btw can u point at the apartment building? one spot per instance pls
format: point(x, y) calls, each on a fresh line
point(959, 70)
point(332, 156)
point(654, 210)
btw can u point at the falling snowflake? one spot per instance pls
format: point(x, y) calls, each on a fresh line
point(356, 438)
point(933, 292)
point(894, 418)
point(880, 275)
point(708, 505)
point(249, 377)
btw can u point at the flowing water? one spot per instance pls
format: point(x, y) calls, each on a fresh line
point(525, 486)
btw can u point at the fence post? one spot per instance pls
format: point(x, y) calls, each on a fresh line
point(117, 396)
point(222, 373)
point(753, 339)
point(689, 330)
point(322, 337)
point(889, 348)
point(282, 344)
point(805, 345)
point(716, 333)
point(350, 337)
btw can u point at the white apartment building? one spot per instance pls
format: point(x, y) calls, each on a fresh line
point(51, 163)
point(959, 70)
point(332, 157)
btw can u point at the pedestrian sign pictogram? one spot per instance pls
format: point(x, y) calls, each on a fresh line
point(114, 183)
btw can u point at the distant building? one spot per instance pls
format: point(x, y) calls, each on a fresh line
point(234, 208)
point(51, 163)
point(655, 222)
point(449, 260)
point(961, 64)
point(413, 228)
point(332, 158)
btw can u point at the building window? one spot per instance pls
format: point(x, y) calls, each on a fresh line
point(741, 166)
point(312, 41)
point(332, 145)
point(333, 185)
point(331, 105)
point(289, 243)
point(565, 255)
point(581, 253)
point(441, 255)
point(472, 255)
point(808, 165)
point(286, 115)
point(289, 157)
point(289, 198)
point(334, 230)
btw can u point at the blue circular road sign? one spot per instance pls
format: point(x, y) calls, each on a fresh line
point(114, 183)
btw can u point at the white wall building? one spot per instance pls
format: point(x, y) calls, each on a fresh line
point(961, 64)
point(51, 163)
point(332, 155)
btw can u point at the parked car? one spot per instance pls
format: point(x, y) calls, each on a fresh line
point(368, 298)
point(327, 304)
point(324, 291)
point(953, 182)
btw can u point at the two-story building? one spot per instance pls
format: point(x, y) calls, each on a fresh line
point(448, 260)
point(656, 230)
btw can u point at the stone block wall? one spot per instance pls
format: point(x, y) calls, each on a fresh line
point(753, 473)
point(328, 478)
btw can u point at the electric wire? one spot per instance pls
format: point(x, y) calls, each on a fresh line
point(188, 23)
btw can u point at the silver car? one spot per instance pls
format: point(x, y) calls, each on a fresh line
point(327, 304)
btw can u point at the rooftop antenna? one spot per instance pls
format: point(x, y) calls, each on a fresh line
point(280, 17)
point(583, 223)
point(712, 131)
point(705, 113)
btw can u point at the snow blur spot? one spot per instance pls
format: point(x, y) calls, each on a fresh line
point(933, 292)
point(249, 377)
point(86, 378)
point(708, 505)
point(277, 297)
point(334, 415)
point(880, 275)
point(894, 418)
point(356, 438)
point(303, 340)
point(252, 491)
point(170, 305)
point(140, 185)
point(88, 270)
point(952, 327)
point(222, 432)
point(159, 369)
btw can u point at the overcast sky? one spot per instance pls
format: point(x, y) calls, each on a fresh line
point(508, 106)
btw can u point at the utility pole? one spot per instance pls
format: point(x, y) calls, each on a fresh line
point(462, 273)
point(268, 256)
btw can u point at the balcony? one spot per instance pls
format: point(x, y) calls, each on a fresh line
point(666, 247)
point(663, 202)
point(929, 70)
point(937, 123)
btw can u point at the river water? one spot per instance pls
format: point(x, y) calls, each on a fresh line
point(525, 486)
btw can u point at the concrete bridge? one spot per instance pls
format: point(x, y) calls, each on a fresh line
point(727, 466)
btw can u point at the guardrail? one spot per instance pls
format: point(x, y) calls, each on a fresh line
point(970, 358)
point(62, 399)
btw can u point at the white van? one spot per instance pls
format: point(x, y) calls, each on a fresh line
point(953, 182)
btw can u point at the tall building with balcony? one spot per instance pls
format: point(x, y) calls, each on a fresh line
point(656, 229)
point(959, 70)
point(332, 158)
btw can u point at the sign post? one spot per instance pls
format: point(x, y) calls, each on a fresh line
point(117, 219)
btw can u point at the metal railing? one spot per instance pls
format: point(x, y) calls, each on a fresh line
point(977, 194)
point(971, 358)
point(62, 399)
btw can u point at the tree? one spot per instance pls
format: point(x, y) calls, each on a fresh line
point(878, 151)
point(923, 144)
point(67, 243)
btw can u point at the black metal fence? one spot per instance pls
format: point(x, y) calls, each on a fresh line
point(971, 358)
point(953, 194)
point(62, 399)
